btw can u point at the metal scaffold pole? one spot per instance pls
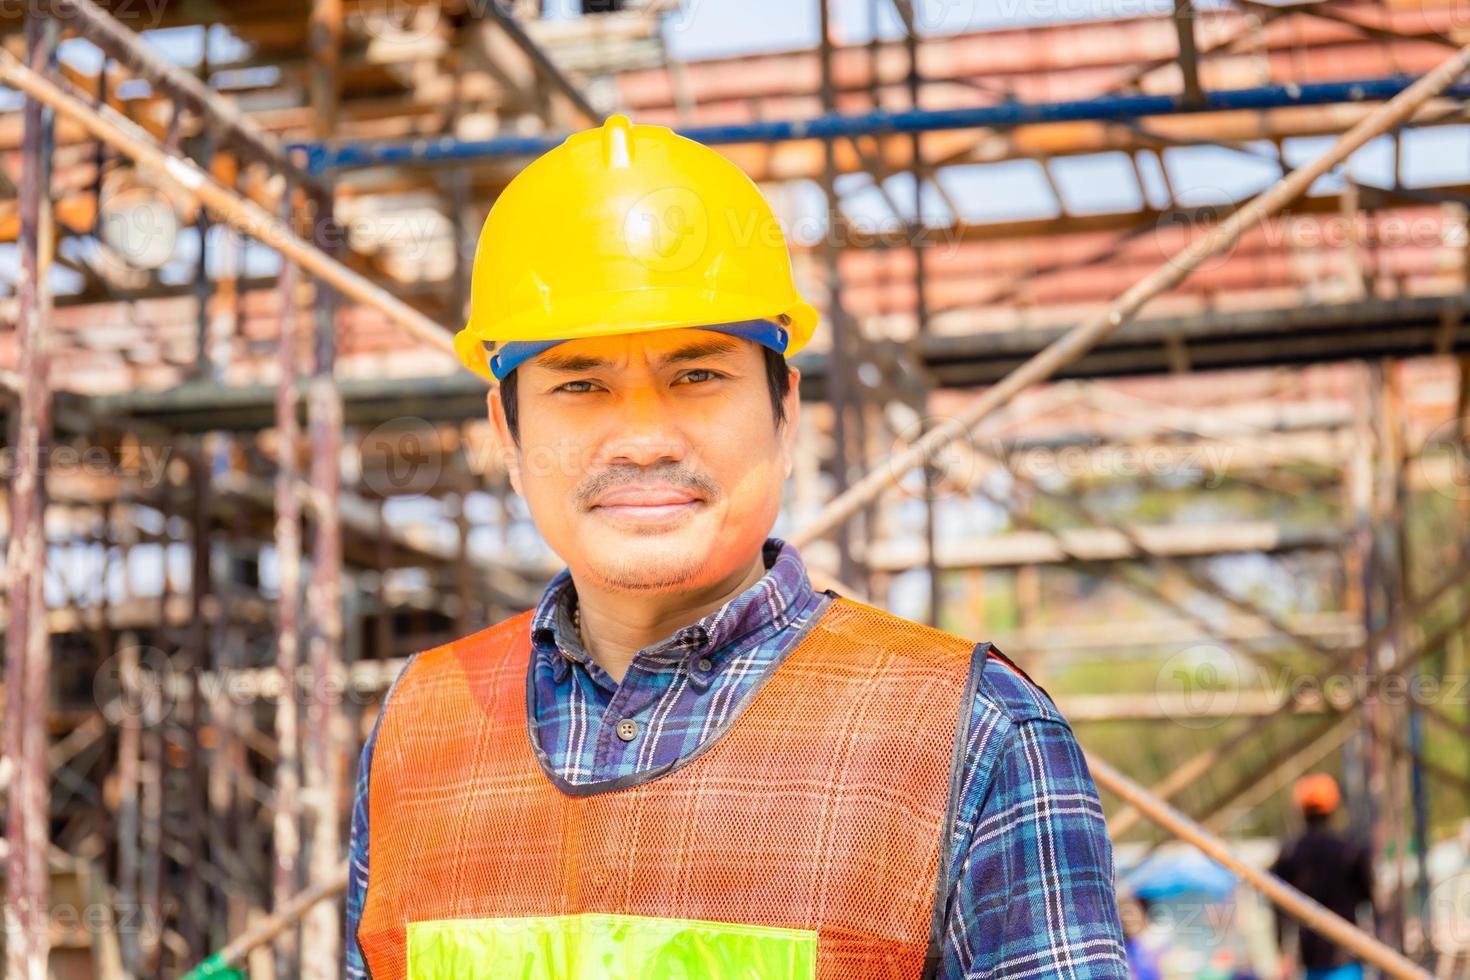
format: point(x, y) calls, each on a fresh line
point(27, 638)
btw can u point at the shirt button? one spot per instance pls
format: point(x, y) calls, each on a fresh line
point(627, 729)
point(705, 663)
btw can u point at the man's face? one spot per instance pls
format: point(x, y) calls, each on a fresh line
point(650, 461)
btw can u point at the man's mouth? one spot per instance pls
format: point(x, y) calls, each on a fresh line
point(652, 503)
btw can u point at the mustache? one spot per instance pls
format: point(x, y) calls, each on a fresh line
point(675, 475)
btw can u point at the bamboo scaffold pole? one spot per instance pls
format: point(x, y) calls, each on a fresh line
point(244, 215)
point(1306, 911)
point(28, 639)
point(224, 962)
point(1086, 335)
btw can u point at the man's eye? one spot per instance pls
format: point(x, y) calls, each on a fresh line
point(699, 374)
point(569, 386)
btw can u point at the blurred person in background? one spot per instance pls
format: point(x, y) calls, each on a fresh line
point(1329, 867)
point(1143, 961)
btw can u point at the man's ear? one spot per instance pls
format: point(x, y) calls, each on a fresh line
point(510, 454)
point(792, 404)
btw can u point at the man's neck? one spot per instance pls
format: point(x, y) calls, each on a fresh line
point(616, 625)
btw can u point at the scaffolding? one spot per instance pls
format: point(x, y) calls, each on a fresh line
point(273, 420)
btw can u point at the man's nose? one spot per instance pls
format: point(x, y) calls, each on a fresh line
point(646, 432)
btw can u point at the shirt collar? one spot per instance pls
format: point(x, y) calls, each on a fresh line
point(783, 592)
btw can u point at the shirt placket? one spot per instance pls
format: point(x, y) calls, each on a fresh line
point(625, 728)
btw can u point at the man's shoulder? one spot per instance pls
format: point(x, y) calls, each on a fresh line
point(859, 618)
point(1010, 691)
point(469, 654)
point(1003, 689)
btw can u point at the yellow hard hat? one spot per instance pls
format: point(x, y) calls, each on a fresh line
point(623, 229)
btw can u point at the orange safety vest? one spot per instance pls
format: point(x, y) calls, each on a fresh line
point(806, 840)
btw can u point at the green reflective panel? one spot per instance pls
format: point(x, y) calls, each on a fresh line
point(607, 947)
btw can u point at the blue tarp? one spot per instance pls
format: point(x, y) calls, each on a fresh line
point(1171, 874)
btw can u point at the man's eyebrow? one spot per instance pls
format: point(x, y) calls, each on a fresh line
point(552, 361)
point(701, 348)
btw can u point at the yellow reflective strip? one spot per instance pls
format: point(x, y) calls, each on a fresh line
point(595, 946)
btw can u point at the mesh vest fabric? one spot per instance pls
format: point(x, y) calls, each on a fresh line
point(821, 808)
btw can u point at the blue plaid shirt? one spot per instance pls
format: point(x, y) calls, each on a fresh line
point(1033, 890)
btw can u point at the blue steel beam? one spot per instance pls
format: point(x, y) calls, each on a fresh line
point(323, 157)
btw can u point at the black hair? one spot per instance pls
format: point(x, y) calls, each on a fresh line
point(778, 380)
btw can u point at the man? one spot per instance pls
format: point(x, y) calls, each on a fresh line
point(1143, 959)
point(686, 761)
point(1330, 868)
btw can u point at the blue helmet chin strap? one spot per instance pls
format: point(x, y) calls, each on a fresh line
point(512, 355)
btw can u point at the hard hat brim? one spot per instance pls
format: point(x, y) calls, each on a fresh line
point(634, 311)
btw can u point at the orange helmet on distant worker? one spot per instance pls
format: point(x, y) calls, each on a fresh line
point(1317, 794)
